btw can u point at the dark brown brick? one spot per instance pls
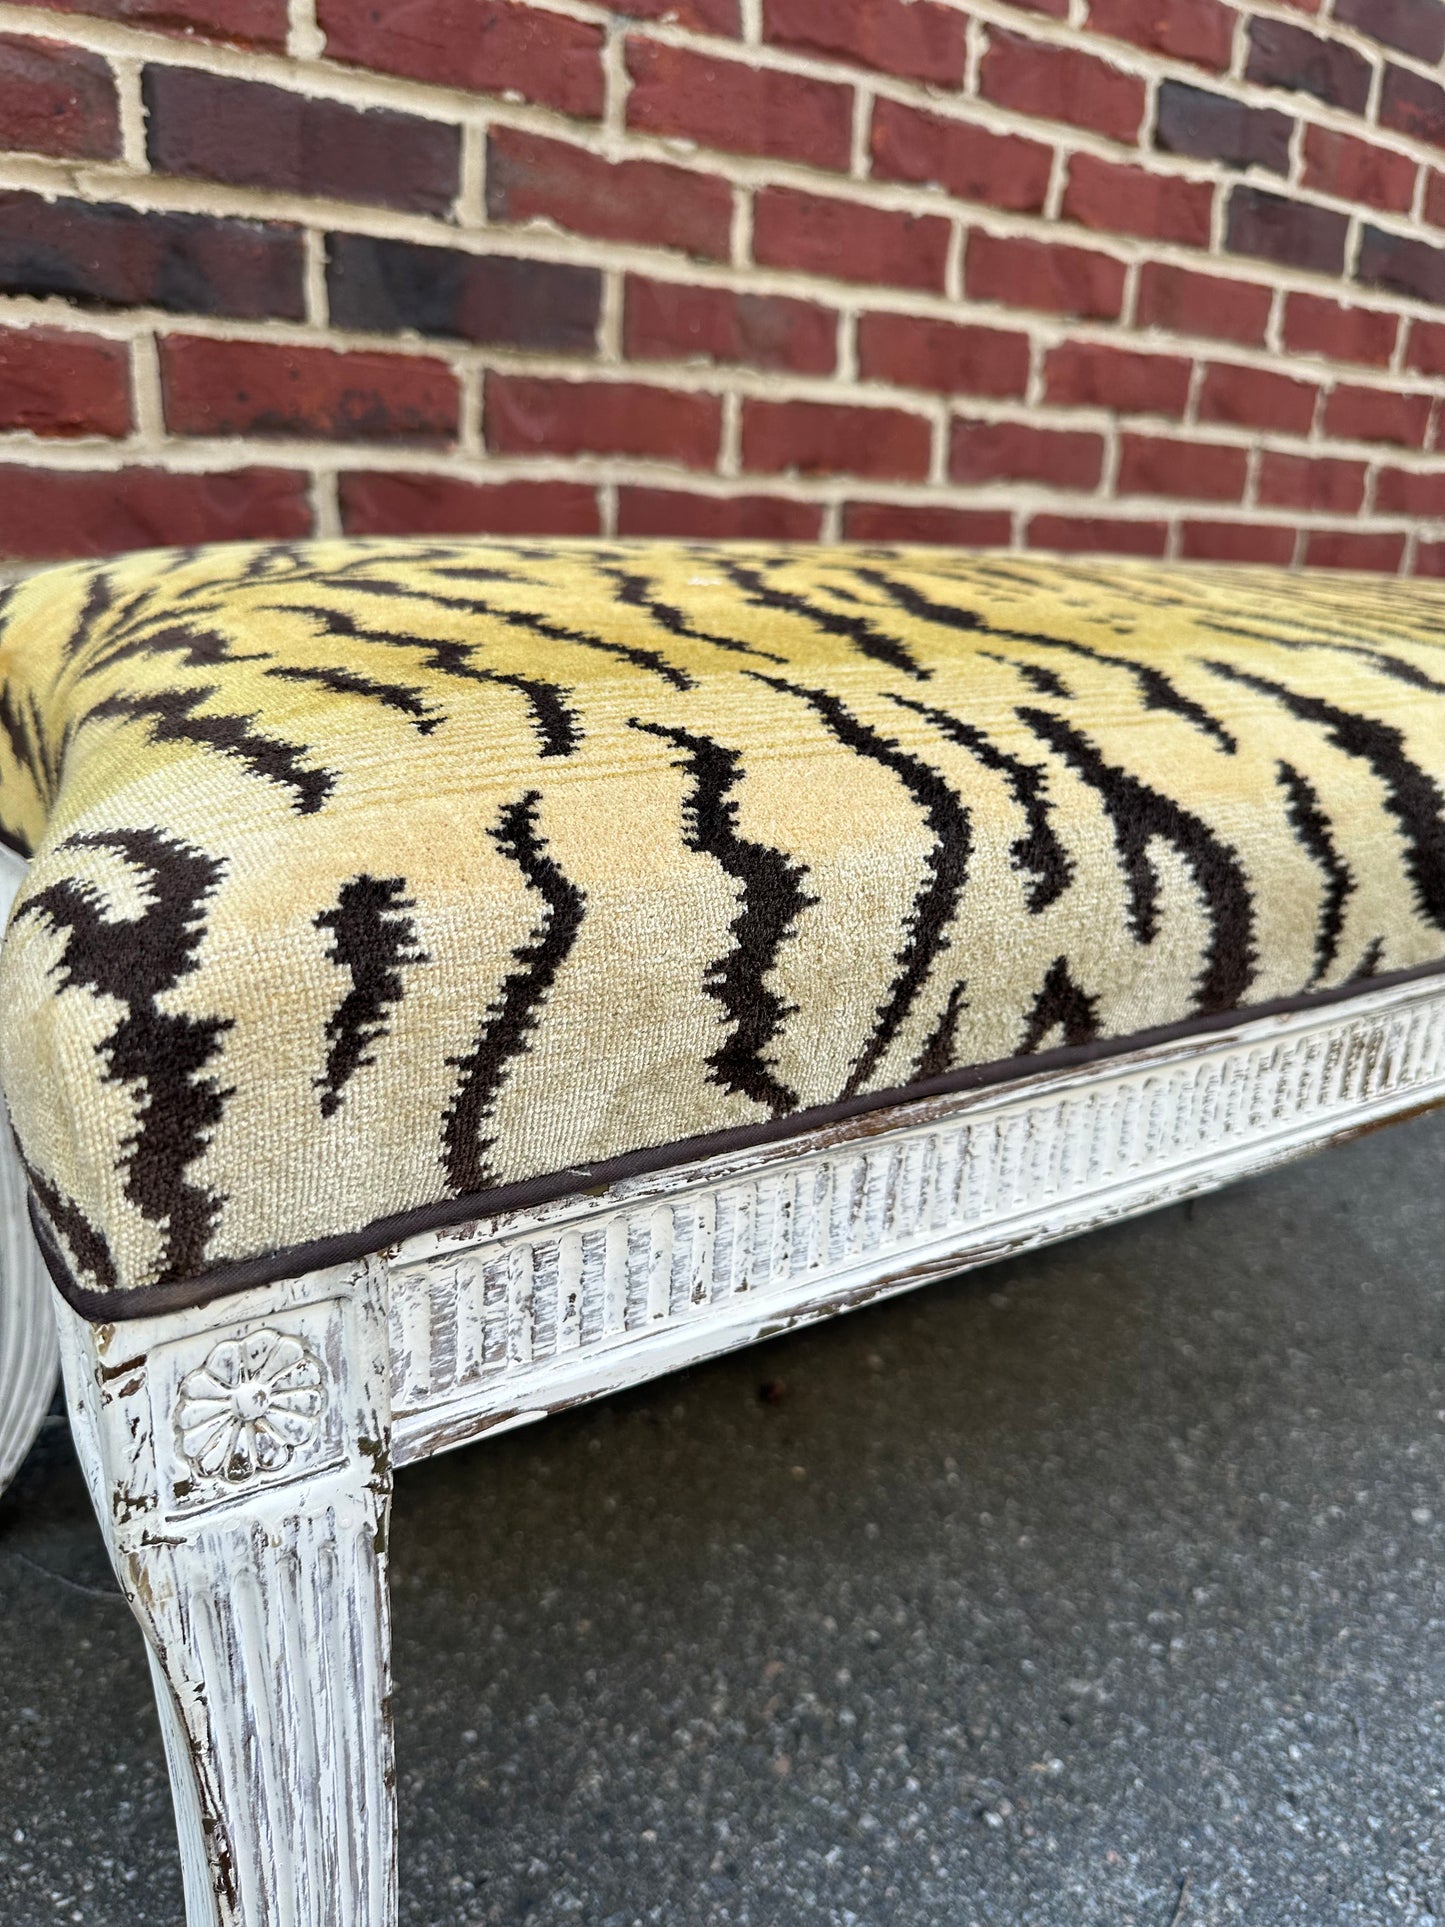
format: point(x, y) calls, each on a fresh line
point(272, 388)
point(826, 438)
point(1256, 398)
point(1096, 535)
point(246, 23)
point(56, 99)
point(1193, 471)
point(915, 39)
point(1320, 483)
point(1357, 170)
point(716, 518)
point(819, 235)
point(1404, 266)
point(480, 46)
point(1315, 325)
point(947, 357)
point(52, 513)
point(1026, 273)
point(382, 287)
point(1088, 374)
point(530, 178)
point(665, 320)
point(965, 160)
point(1201, 31)
point(1020, 452)
point(1354, 549)
point(1281, 55)
point(250, 135)
point(1212, 127)
point(1430, 558)
point(1293, 233)
point(1266, 542)
point(1425, 350)
point(1410, 26)
point(1435, 198)
point(926, 522)
point(1404, 491)
point(1377, 415)
point(376, 503)
point(535, 415)
point(1132, 200)
point(1202, 304)
point(105, 255)
point(56, 382)
point(740, 109)
point(1411, 104)
point(1049, 82)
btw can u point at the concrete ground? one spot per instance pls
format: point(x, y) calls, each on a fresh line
point(1100, 1587)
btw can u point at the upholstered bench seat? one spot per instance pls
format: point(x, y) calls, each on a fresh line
point(377, 885)
point(447, 981)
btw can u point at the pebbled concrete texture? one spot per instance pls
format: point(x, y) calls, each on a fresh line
point(1103, 1586)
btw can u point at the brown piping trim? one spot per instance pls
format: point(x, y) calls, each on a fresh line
point(145, 1301)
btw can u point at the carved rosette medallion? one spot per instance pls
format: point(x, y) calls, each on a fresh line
point(251, 1407)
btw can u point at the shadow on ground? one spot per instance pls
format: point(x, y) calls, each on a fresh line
point(1103, 1586)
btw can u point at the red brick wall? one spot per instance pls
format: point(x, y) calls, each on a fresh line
point(1144, 276)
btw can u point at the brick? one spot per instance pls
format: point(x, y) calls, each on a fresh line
point(1132, 200)
point(273, 388)
point(1402, 491)
point(1202, 304)
point(1201, 32)
point(740, 109)
point(1087, 374)
point(480, 46)
point(250, 135)
point(926, 522)
point(1377, 415)
point(1292, 233)
point(533, 415)
point(382, 287)
point(825, 438)
point(1430, 558)
point(716, 518)
point(1194, 471)
point(664, 320)
point(55, 382)
point(1401, 265)
point(1256, 398)
point(51, 513)
point(56, 99)
point(1266, 542)
point(246, 23)
point(376, 503)
point(1311, 482)
point(1212, 127)
point(915, 39)
point(1411, 104)
point(947, 357)
point(1282, 55)
point(1315, 325)
point(1044, 275)
point(1410, 26)
point(1355, 170)
point(965, 160)
point(1425, 350)
point(102, 254)
point(1354, 549)
point(704, 16)
point(1049, 82)
point(530, 178)
point(1020, 452)
point(819, 235)
point(1096, 535)
point(1435, 198)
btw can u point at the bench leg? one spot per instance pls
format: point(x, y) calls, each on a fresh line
point(27, 1320)
point(239, 1460)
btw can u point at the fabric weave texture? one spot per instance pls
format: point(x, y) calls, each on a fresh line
point(372, 878)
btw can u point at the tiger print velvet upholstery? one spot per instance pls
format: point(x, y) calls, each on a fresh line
point(376, 884)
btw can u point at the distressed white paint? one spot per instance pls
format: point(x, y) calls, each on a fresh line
point(258, 1574)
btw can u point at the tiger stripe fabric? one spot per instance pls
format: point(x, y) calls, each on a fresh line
point(374, 880)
